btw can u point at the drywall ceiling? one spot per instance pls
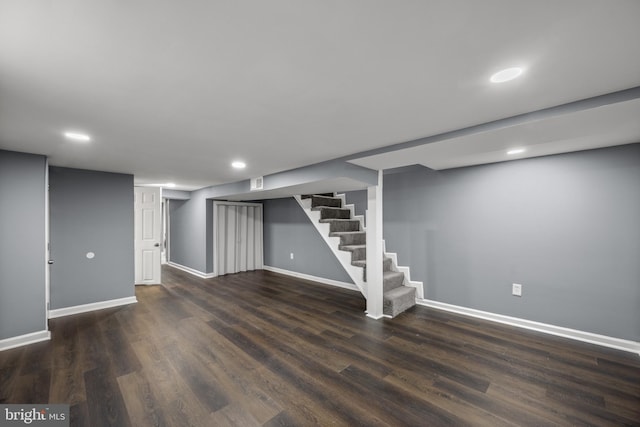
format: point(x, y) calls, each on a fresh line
point(173, 91)
point(613, 124)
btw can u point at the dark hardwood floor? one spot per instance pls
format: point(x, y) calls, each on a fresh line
point(262, 349)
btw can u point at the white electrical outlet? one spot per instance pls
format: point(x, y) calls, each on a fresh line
point(291, 255)
point(516, 289)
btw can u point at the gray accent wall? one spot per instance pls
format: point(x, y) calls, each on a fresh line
point(91, 212)
point(566, 227)
point(287, 229)
point(22, 244)
point(188, 227)
point(358, 199)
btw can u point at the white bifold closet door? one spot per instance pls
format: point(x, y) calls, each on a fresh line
point(238, 237)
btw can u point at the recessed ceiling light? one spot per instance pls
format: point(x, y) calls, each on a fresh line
point(516, 151)
point(77, 136)
point(238, 164)
point(506, 75)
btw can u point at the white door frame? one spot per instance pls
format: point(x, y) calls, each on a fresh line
point(47, 248)
point(217, 203)
point(150, 244)
point(164, 239)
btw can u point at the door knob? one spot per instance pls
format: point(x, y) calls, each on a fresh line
point(157, 245)
point(50, 261)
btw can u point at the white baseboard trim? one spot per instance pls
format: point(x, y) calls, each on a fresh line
point(25, 339)
point(322, 280)
point(588, 337)
point(77, 309)
point(371, 316)
point(190, 270)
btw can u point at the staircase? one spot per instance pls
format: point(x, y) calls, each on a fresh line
point(345, 234)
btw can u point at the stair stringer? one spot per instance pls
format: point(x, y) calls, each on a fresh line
point(355, 273)
point(403, 269)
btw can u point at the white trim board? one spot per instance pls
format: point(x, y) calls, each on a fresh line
point(190, 270)
point(322, 280)
point(77, 309)
point(25, 339)
point(574, 334)
point(47, 246)
point(382, 316)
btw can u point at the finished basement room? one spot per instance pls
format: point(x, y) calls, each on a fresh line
point(320, 213)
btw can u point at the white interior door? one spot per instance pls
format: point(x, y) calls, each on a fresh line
point(237, 237)
point(148, 234)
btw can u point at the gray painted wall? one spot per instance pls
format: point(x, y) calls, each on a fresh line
point(566, 227)
point(22, 244)
point(358, 199)
point(90, 211)
point(188, 232)
point(287, 229)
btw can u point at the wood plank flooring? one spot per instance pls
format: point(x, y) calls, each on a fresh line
point(262, 349)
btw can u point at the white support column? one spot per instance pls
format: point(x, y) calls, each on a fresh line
point(374, 250)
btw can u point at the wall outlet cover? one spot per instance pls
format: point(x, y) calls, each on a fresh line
point(516, 289)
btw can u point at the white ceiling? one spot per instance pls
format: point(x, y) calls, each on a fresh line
point(614, 124)
point(174, 90)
